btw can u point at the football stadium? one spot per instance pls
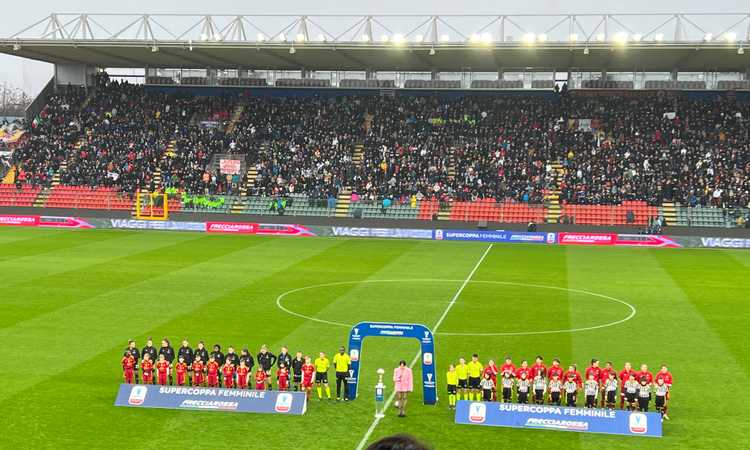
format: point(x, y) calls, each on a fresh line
point(539, 224)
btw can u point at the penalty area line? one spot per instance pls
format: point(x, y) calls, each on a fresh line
point(439, 322)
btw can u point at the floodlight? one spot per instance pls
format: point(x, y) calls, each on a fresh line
point(419, 38)
point(708, 37)
point(398, 39)
point(475, 38)
point(730, 37)
point(573, 37)
point(621, 38)
point(600, 37)
point(384, 38)
point(637, 37)
point(487, 38)
point(204, 37)
point(529, 38)
point(445, 38)
point(365, 38)
point(300, 37)
point(542, 37)
point(659, 37)
point(260, 37)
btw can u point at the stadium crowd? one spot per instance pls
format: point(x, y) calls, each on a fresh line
point(662, 147)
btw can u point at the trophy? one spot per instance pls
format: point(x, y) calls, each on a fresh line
point(380, 395)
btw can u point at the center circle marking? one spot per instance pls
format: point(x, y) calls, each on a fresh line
point(632, 308)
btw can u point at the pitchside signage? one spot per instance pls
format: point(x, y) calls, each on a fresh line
point(550, 417)
point(495, 236)
point(401, 330)
point(211, 399)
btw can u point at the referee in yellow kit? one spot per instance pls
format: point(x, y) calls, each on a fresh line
point(321, 375)
point(342, 363)
point(475, 377)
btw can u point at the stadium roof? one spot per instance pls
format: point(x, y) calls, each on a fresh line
point(622, 42)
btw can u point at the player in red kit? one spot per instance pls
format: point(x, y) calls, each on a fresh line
point(181, 368)
point(242, 374)
point(663, 374)
point(538, 367)
point(624, 376)
point(524, 368)
point(308, 370)
point(148, 369)
point(555, 370)
point(644, 373)
point(198, 367)
point(128, 367)
point(594, 370)
point(282, 377)
point(572, 370)
point(603, 378)
point(162, 370)
point(492, 370)
point(508, 367)
point(260, 379)
point(227, 371)
point(212, 369)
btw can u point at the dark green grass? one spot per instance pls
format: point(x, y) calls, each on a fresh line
point(71, 300)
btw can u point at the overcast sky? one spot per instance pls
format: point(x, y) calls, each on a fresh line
point(31, 76)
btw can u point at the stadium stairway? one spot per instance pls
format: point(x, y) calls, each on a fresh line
point(41, 200)
point(669, 212)
point(240, 203)
point(451, 172)
point(343, 202)
point(552, 196)
point(10, 177)
point(238, 110)
point(359, 154)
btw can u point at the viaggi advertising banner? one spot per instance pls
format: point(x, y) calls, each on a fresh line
point(400, 233)
point(211, 399)
point(550, 417)
point(495, 236)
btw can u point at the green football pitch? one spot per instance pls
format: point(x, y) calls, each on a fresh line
point(71, 300)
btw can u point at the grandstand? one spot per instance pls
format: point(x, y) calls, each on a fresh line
point(455, 118)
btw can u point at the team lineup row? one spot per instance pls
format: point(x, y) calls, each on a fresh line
point(198, 367)
point(553, 385)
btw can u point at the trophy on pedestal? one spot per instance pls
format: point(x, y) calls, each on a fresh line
point(380, 395)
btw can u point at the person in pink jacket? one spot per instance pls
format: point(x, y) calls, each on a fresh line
point(404, 383)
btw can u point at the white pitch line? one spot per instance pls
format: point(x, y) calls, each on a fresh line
point(439, 322)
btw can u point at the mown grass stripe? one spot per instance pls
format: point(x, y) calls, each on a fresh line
point(112, 317)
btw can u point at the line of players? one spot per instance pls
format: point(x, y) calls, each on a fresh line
point(553, 385)
point(198, 367)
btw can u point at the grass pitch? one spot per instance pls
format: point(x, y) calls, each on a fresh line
point(71, 299)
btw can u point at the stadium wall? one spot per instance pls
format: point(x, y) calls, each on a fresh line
point(739, 233)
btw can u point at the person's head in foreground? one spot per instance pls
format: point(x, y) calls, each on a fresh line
point(398, 442)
